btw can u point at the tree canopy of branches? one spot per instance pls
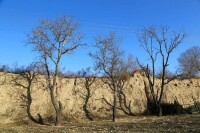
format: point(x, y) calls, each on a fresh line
point(53, 39)
point(158, 42)
point(109, 62)
point(189, 62)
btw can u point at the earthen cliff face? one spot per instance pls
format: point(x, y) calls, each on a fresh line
point(72, 93)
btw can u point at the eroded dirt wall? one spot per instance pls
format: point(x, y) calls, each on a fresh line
point(72, 93)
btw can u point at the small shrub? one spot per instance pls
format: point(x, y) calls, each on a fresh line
point(126, 76)
point(167, 108)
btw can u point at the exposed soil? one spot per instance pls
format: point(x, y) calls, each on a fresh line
point(181, 123)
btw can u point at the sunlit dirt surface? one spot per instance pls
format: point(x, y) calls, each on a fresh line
point(181, 123)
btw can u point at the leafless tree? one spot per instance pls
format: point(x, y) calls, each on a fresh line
point(158, 42)
point(108, 61)
point(28, 76)
point(189, 62)
point(52, 40)
point(4, 68)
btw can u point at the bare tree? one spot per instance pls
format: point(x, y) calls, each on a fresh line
point(189, 62)
point(52, 40)
point(28, 76)
point(158, 41)
point(108, 61)
point(4, 68)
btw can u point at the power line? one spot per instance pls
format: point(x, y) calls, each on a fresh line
point(89, 26)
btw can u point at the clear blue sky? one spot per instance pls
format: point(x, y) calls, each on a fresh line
point(125, 17)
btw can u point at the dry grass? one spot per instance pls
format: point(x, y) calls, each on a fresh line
point(182, 123)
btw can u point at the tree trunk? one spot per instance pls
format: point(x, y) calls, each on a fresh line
point(114, 105)
point(57, 106)
point(58, 114)
point(162, 89)
point(160, 110)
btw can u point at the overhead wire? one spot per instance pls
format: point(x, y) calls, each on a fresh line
point(89, 26)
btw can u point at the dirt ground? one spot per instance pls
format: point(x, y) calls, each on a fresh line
point(182, 123)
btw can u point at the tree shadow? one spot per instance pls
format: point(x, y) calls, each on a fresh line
point(87, 81)
point(124, 103)
point(25, 79)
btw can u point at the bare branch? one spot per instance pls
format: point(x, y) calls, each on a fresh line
point(157, 42)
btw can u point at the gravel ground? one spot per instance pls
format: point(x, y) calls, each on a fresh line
point(181, 123)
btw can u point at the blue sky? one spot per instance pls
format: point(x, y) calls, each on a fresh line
point(125, 17)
